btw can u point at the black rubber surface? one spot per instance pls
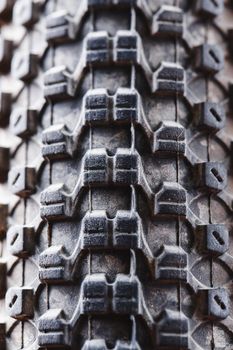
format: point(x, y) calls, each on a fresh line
point(115, 167)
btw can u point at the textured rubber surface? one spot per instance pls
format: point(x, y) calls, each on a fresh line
point(116, 212)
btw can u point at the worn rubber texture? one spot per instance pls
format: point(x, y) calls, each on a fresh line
point(116, 213)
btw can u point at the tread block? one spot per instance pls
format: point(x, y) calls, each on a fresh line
point(212, 176)
point(53, 202)
point(53, 194)
point(97, 48)
point(126, 230)
point(210, 115)
point(53, 266)
point(22, 181)
point(20, 302)
point(23, 122)
point(171, 264)
point(97, 104)
point(96, 230)
point(57, 26)
point(126, 47)
point(125, 167)
point(55, 83)
point(210, 8)
point(100, 344)
point(95, 294)
point(121, 345)
point(26, 13)
point(25, 66)
point(56, 142)
point(169, 79)
point(215, 303)
point(96, 167)
point(95, 344)
point(168, 20)
point(51, 320)
point(171, 200)
point(209, 58)
point(55, 133)
point(21, 240)
point(125, 295)
point(3, 278)
point(170, 137)
point(52, 256)
point(126, 105)
point(214, 239)
point(121, 297)
point(55, 75)
point(172, 330)
point(52, 329)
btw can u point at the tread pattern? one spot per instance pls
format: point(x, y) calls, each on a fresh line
point(120, 227)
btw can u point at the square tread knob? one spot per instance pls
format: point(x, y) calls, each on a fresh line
point(214, 303)
point(21, 240)
point(23, 122)
point(20, 302)
point(213, 239)
point(212, 176)
point(210, 115)
point(25, 67)
point(209, 58)
point(22, 181)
